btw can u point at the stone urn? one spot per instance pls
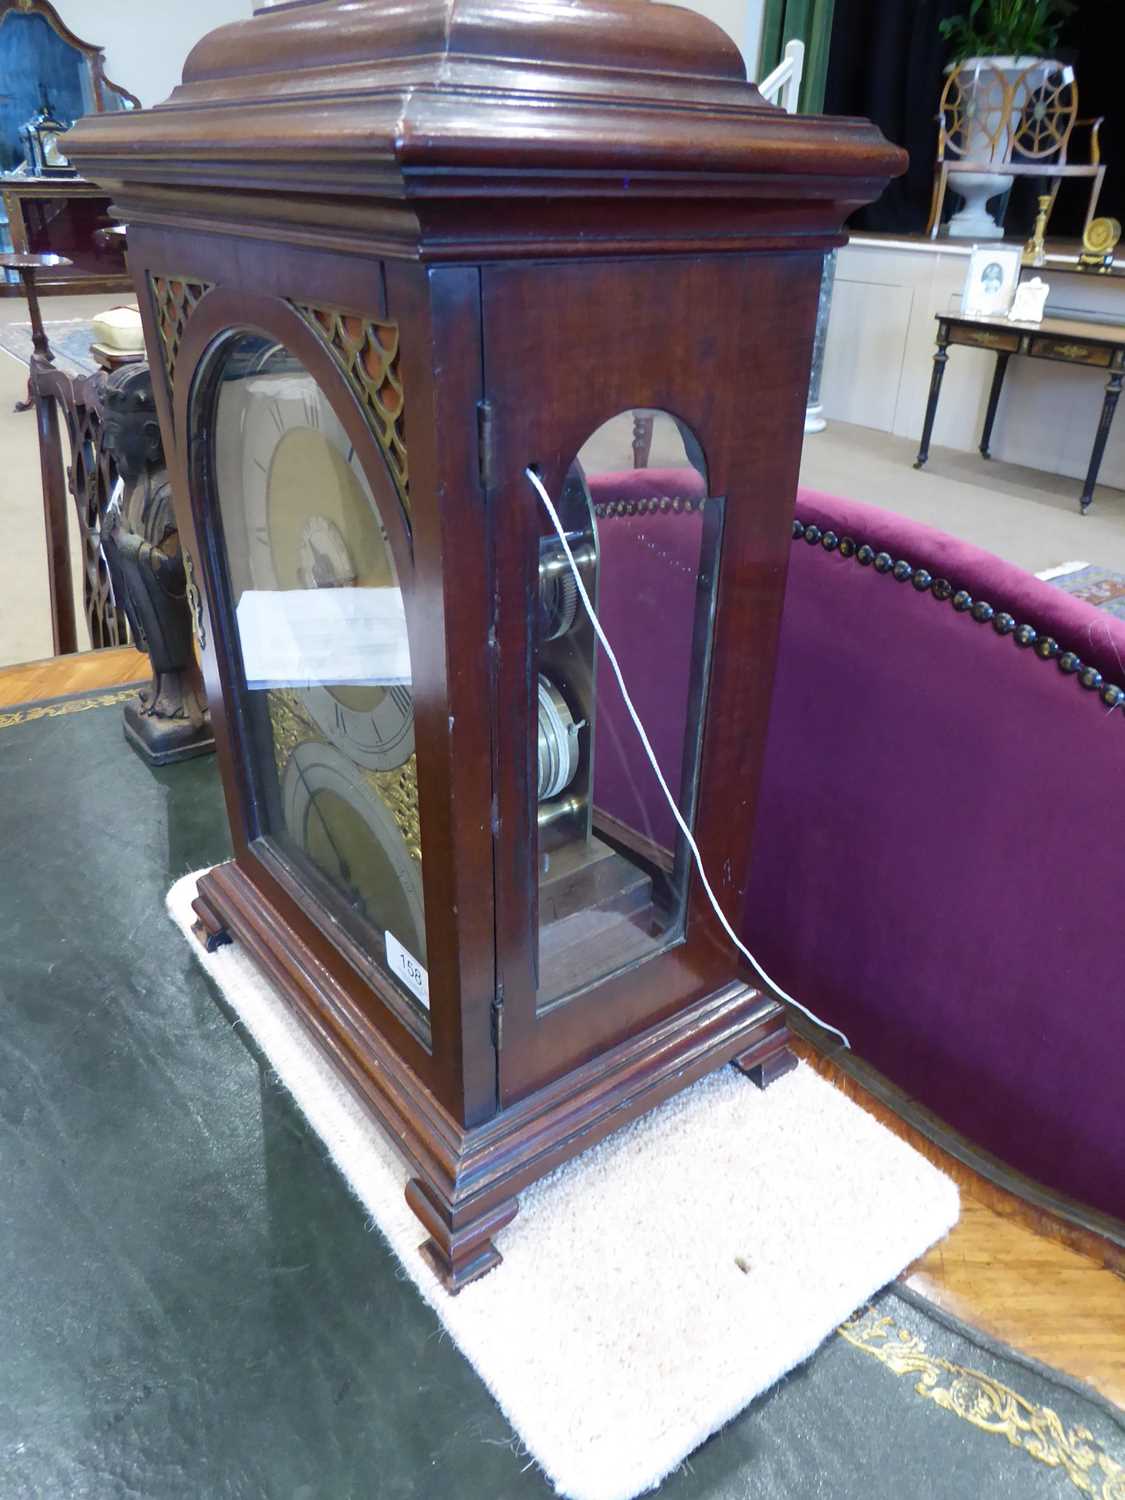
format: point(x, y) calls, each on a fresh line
point(983, 114)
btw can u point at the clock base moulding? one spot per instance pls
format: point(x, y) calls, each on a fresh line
point(466, 1179)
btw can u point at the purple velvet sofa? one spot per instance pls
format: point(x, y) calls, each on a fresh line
point(939, 868)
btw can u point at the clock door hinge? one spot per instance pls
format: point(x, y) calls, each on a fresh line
point(486, 458)
point(498, 1018)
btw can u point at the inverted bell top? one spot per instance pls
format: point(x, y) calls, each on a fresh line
point(434, 40)
point(463, 99)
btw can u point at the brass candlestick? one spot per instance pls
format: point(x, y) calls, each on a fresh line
point(1035, 252)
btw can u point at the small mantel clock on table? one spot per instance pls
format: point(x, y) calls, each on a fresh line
point(390, 258)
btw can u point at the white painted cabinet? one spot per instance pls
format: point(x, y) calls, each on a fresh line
point(881, 340)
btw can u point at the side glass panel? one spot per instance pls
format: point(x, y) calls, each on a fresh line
point(327, 679)
point(613, 866)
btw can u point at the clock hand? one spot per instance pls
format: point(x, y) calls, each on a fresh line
point(357, 901)
point(323, 571)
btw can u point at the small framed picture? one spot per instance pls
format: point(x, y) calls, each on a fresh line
point(990, 282)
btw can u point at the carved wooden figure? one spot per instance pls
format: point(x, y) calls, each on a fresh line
point(389, 259)
point(169, 720)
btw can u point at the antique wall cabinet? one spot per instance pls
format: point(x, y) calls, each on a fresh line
point(389, 258)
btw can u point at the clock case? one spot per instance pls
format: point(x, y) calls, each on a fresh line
point(566, 210)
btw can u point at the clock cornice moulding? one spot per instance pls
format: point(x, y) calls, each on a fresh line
point(455, 105)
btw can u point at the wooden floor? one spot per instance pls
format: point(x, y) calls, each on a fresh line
point(1001, 1269)
point(1003, 1277)
point(81, 673)
point(1004, 1270)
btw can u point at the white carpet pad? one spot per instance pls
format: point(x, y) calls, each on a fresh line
point(621, 1329)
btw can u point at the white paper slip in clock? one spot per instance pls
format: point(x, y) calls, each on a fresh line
point(305, 637)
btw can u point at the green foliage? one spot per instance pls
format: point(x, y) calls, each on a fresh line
point(1006, 28)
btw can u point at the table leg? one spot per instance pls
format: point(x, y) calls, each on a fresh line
point(642, 439)
point(39, 342)
point(1109, 406)
point(940, 358)
point(993, 401)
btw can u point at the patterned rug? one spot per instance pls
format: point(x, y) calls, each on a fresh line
point(1098, 586)
point(70, 344)
point(207, 1230)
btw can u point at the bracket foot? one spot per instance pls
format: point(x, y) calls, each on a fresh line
point(460, 1247)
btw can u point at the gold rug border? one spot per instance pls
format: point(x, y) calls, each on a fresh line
point(989, 1405)
point(8, 719)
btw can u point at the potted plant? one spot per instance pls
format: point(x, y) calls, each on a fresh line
point(1006, 30)
point(993, 46)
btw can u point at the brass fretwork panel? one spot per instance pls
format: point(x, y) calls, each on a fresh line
point(396, 789)
point(368, 352)
point(175, 299)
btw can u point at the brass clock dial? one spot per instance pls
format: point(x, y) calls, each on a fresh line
point(1101, 236)
point(52, 151)
point(311, 522)
point(314, 592)
point(351, 836)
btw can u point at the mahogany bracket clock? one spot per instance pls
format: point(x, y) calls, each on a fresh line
point(390, 258)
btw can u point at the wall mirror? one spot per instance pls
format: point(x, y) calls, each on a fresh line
point(45, 67)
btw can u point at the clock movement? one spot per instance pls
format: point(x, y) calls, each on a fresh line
point(396, 265)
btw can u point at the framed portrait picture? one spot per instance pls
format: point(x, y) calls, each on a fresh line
point(990, 281)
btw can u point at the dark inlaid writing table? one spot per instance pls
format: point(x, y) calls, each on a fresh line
point(64, 216)
point(1098, 346)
